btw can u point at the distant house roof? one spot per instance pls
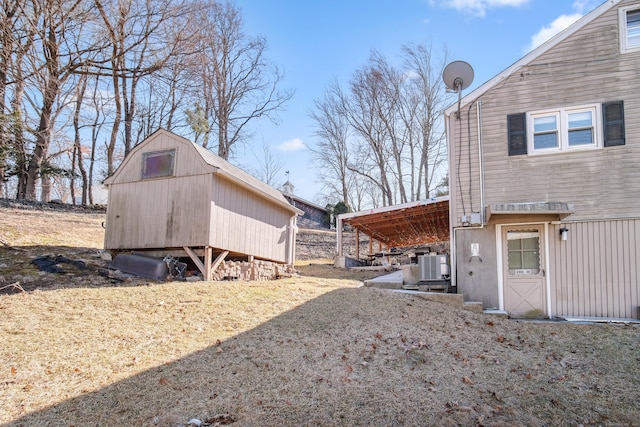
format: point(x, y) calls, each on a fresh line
point(535, 53)
point(303, 201)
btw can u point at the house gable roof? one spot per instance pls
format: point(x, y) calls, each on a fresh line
point(534, 54)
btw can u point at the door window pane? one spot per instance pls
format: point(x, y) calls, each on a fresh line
point(523, 252)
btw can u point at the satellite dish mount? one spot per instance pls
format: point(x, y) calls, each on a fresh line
point(458, 75)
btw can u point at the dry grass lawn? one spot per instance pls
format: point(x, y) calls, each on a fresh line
point(79, 349)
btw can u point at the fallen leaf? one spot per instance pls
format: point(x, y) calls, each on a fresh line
point(13, 371)
point(500, 339)
point(164, 381)
point(466, 380)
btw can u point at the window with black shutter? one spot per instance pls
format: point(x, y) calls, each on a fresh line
point(517, 130)
point(613, 120)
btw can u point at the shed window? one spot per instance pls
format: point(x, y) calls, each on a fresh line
point(158, 164)
point(630, 28)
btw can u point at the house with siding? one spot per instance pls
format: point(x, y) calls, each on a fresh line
point(545, 183)
point(173, 197)
point(314, 217)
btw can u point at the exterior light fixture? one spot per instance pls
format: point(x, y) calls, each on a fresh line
point(564, 233)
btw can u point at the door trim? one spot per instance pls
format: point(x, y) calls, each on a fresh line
point(500, 261)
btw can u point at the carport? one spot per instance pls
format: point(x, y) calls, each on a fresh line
point(410, 224)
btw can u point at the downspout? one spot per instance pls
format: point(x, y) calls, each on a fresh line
point(292, 230)
point(481, 160)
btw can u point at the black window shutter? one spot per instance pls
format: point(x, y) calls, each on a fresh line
point(517, 128)
point(613, 120)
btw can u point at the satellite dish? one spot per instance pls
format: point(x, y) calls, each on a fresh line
point(458, 75)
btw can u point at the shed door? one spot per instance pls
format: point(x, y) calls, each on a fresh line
point(524, 270)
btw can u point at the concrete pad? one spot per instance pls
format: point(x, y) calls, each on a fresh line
point(388, 281)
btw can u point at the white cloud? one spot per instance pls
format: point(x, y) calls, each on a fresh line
point(548, 31)
point(580, 7)
point(479, 7)
point(294, 144)
point(583, 6)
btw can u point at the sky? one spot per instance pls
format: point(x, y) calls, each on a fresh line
point(316, 41)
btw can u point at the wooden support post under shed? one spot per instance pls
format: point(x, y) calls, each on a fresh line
point(207, 268)
point(357, 244)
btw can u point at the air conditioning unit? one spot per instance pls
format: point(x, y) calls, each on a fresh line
point(434, 267)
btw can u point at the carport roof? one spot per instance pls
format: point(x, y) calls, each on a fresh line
point(408, 224)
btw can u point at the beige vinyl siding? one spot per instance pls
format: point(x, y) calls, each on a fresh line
point(245, 223)
point(587, 68)
point(465, 185)
point(595, 272)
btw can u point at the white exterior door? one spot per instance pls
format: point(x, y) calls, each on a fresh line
point(524, 271)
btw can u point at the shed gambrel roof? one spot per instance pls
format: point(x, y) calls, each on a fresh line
point(220, 167)
point(534, 54)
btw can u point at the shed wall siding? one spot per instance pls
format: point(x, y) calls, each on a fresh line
point(243, 222)
point(595, 272)
point(142, 214)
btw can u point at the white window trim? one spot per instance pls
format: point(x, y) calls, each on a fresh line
point(562, 115)
point(622, 19)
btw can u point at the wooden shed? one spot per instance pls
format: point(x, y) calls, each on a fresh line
point(173, 197)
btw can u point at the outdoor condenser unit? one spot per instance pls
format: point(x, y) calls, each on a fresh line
point(434, 267)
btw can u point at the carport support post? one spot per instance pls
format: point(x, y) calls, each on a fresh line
point(357, 244)
point(339, 239)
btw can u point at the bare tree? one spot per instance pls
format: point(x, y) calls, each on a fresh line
point(143, 36)
point(384, 131)
point(332, 147)
point(238, 83)
point(270, 165)
point(59, 50)
point(77, 158)
point(9, 10)
point(426, 99)
point(364, 110)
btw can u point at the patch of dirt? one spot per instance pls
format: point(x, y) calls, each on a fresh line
point(318, 349)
